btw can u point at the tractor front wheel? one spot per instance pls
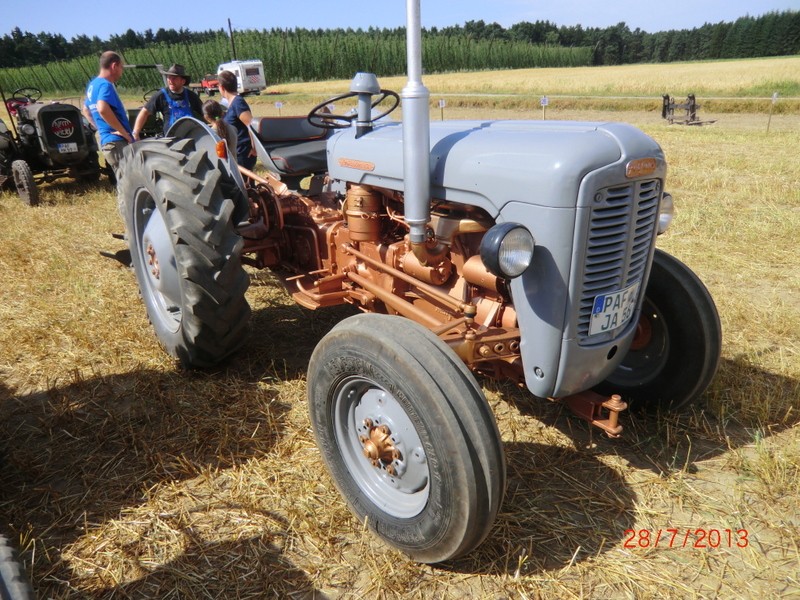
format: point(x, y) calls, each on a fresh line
point(678, 342)
point(178, 205)
point(407, 435)
point(23, 180)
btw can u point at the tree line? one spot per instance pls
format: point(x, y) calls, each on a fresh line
point(25, 49)
point(771, 34)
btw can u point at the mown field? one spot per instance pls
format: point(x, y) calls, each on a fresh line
point(126, 477)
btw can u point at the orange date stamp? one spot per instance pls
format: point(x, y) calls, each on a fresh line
point(673, 537)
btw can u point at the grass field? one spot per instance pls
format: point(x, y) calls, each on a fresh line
point(125, 477)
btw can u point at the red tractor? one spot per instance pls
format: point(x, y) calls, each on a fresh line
point(208, 84)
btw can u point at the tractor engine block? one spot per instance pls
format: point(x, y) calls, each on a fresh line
point(332, 249)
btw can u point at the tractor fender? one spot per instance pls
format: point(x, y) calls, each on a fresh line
point(206, 141)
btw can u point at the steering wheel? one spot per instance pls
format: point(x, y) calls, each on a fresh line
point(27, 94)
point(22, 97)
point(149, 94)
point(320, 115)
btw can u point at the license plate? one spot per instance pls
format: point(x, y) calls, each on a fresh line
point(68, 147)
point(611, 311)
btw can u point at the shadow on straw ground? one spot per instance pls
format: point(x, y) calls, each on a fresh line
point(79, 453)
point(666, 443)
point(76, 455)
point(567, 504)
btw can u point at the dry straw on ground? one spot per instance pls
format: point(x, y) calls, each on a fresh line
point(125, 477)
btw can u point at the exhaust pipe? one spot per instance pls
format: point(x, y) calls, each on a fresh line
point(416, 138)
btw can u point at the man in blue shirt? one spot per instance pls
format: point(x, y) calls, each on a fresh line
point(105, 111)
point(173, 102)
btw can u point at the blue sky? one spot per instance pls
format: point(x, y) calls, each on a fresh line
point(75, 17)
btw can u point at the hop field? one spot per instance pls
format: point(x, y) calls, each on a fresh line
point(125, 477)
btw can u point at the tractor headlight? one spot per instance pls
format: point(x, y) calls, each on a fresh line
point(27, 129)
point(507, 249)
point(666, 213)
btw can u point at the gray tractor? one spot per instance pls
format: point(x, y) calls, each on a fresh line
point(45, 142)
point(517, 250)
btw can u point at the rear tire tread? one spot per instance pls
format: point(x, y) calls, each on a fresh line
point(187, 187)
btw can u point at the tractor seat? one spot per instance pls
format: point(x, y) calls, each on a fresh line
point(290, 146)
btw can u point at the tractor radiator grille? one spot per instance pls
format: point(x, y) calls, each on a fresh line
point(621, 231)
point(61, 126)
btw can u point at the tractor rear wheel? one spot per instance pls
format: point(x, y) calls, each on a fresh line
point(678, 343)
point(23, 180)
point(407, 435)
point(179, 206)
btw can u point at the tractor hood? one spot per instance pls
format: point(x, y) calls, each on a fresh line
point(492, 163)
point(64, 138)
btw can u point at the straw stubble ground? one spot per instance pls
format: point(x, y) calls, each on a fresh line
point(127, 477)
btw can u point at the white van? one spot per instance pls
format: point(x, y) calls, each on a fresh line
point(249, 75)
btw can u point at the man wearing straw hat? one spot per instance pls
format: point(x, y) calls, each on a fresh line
point(173, 102)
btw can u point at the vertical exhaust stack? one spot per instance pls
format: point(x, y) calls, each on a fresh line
point(416, 136)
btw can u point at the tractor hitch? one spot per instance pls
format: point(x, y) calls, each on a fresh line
point(600, 411)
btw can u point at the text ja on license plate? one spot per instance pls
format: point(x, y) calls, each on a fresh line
point(611, 311)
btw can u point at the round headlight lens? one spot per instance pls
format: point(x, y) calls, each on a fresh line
point(507, 250)
point(27, 129)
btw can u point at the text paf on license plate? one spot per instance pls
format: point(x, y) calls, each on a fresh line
point(68, 147)
point(611, 311)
